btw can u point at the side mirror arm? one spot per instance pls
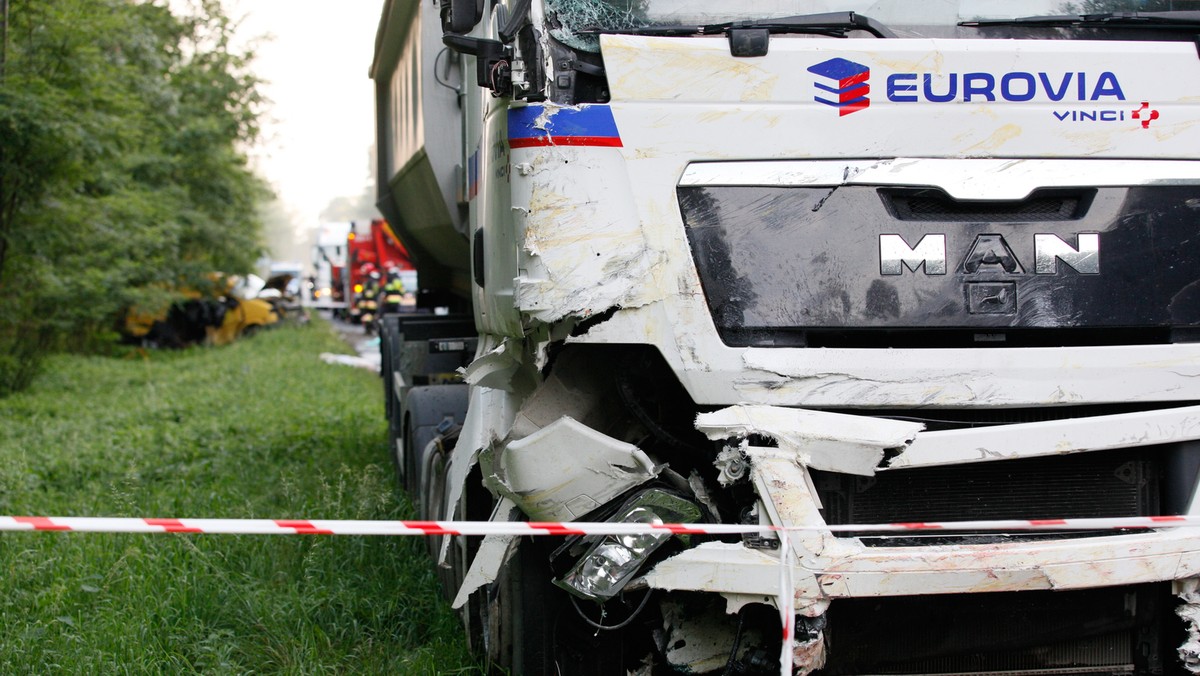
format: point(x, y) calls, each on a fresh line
point(493, 61)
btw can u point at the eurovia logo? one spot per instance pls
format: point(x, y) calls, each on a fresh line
point(843, 85)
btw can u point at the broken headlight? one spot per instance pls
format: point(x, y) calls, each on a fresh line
point(612, 560)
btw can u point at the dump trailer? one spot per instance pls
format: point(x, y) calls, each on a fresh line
point(823, 268)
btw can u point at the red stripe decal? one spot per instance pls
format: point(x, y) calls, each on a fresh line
point(40, 523)
point(430, 528)
point(555, 528)
point(172, 525)
point(918, 526)
point(541, 141)
point(1167, 519)
point(302, 527)
point(1047, 522)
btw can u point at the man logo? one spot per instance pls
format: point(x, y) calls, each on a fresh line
point(847, 86)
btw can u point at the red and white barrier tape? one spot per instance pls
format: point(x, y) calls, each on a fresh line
point(86, 524)
point(787, 602)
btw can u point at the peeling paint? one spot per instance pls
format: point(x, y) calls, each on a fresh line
point(583, 248)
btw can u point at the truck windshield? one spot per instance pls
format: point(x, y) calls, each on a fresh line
point(578, 23)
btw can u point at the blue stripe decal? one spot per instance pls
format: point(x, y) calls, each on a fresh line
point(586, 121)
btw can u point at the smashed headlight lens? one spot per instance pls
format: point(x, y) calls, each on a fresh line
point(612, 560)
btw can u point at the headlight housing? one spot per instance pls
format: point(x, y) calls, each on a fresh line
point(613, 560)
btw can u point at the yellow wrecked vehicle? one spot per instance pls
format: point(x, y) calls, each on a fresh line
point(202, 318)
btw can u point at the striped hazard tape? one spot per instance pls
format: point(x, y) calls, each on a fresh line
point(85, 524)
point(786, 601)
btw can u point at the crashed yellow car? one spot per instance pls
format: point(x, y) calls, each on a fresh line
point(200, 319)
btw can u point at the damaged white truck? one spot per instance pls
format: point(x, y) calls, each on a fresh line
point(812, 265)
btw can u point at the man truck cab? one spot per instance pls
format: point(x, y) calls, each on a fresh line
point(811, 265)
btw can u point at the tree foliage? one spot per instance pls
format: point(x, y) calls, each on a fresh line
point(122, 171)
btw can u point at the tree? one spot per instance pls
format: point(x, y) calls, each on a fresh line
point(122, 174)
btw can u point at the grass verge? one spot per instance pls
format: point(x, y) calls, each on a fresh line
point(258, 429)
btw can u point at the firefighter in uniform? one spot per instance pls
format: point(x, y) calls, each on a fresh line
point(393, 292)
point(368, 302)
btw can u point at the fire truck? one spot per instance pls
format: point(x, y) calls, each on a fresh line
point(373, 251)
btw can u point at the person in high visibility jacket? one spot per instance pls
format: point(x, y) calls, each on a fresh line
point(393, 292)
point(368, 301)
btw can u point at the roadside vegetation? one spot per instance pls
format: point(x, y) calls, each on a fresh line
point(258, 429)
point(123, 175)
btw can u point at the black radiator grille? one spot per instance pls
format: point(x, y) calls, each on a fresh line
point(1080, 485)
point(1096, 631)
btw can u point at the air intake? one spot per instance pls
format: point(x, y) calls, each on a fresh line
point(935, 205)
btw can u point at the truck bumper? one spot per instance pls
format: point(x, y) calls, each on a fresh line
point(825, 566)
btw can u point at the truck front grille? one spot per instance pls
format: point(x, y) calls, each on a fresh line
point(1113, 630)
point(1104, 484)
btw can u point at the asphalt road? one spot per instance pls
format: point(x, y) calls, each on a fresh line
point(367, 347)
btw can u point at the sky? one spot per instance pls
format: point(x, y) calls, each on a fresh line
point(318, 130)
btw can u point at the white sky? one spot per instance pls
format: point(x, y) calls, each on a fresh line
point(318, 130)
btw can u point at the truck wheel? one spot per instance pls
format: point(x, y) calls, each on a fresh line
point(425, 408)
point(415, 441)
point(534, 629)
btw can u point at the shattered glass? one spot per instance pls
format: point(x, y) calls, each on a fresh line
point(568, 16)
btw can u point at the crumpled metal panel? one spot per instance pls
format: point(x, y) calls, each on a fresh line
point(828, 441)
point(566, 469)
point(492, 553)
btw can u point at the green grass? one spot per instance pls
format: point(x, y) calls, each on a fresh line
point(261, 428)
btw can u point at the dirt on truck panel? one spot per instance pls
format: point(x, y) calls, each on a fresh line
point(815, 266)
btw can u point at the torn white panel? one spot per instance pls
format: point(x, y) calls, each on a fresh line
point(582, 246)
point(735, 602)
point(1074, 435)
point(495, 369)
point(808, 655)
point(567, 469)
point(728, 568)
point(489, 415)
point(828, 441)
point(491, 555)
point(1188, 592)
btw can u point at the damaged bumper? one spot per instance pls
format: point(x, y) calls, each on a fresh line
point(829, 567)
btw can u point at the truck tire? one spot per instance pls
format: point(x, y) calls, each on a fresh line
point(424, 409)
point(534, 629)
